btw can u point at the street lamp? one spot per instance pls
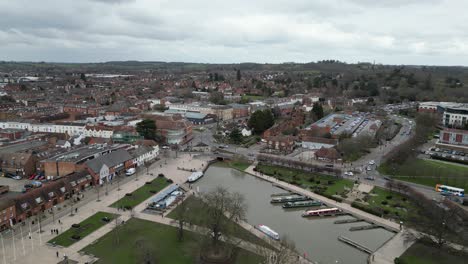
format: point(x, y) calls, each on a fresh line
point(53, 213)
point(71, 204)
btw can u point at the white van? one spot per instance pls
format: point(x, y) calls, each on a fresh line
point(130, 171)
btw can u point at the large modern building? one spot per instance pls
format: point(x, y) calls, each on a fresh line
point(174, 128)
point(455, 116)
point(338, 124)
point(74, 160)
point(455, 137)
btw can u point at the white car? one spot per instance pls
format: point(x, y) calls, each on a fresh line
point(372, 162)
point(368, 168)
point(349, 173)
point(130, 171)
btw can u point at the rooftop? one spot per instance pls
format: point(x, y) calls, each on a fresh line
point(20, 147)
point(85, 153)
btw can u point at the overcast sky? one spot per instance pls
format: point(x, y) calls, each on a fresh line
point(431, 32)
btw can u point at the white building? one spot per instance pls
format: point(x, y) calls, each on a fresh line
point(72, 129)
point(142, 154)
point(455, 116)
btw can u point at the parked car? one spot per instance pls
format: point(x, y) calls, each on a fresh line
point(32, 176)
point(368, 168)
point(370, 178)
point(372, 162)
point(130, 171)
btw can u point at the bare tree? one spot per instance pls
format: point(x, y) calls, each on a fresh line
point(439, 222)
point(223, 208)
point(181, 217)
point(145, 252)
point(285, 253)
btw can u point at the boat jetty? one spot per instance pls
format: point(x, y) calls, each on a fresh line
point(302, 204)
point(322, 212)
point(291, 198)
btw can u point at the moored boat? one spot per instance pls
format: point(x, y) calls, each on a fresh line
point(321, 212)
point(195, 176)
point(292, 198)
point(268, 231)
point(302, 204)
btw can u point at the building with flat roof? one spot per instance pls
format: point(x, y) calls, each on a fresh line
point(454, 137)
point(338, 124)
point(456, 116)
point(75, 159)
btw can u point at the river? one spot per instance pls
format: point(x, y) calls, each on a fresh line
point(316, 237)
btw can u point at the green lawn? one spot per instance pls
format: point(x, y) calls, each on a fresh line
point(129, 242)
point(253, 97)
point(142, 193)
point(429, 172)
point(239, 164)
point(319, 183)
point(197, 216)
point(390, 204)
point(420, 253)
point(87, 226)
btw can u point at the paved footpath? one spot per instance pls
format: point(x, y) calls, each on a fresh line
point(36, 249)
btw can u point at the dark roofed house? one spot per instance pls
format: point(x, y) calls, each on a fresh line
point(201, 147)
point(49, 194)
point(328, 154)
point(105, 167)
point(283, 144)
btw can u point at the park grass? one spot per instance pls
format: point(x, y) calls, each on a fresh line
point(429, 172)
point(142, 193)
point(128, 242)
point(87, 226)
point(239, 164)
point(198, 214)
point(397, 205)
point(421, 253)
point(252, 97)
point(325, 184)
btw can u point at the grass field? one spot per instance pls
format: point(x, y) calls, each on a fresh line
point(87, 226)
point(142, 193)
point(429, 172)
point(253, 97)
point(139, 240)
point(420, 253)
point(392, 204)
point(329, 185)
point(239, 164)
point(198, 215)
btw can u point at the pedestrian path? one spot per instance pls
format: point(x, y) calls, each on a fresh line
point(345, 207)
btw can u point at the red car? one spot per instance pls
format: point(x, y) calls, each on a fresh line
point(32, 176)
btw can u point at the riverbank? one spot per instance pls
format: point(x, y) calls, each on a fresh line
point(393, 248)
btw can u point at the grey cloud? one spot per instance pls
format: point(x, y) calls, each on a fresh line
point(234, 31)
